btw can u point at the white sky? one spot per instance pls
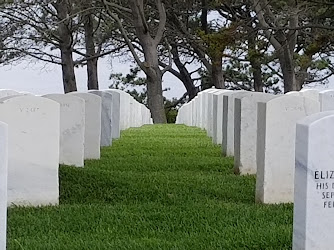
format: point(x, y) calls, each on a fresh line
point(41, 78)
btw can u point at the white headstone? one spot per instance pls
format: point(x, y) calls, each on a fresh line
point(228, 121)
point(3, 183)
point(217, 125)
point(72, 128)
point(310, 93)
point(106, 117)
point(8, 92)
point(203, 107)
point(194, 110)
point(206, 107)
point(210, 110)
point(313, 227)
point(33, 149)
point(145, 114)
point(326, 99)
point(198, 110)
point(116, 113)
point(275, 157)
point(92, 124)
point(245, 131)
point(293, 93)
point(125, 109)
point(138, 114)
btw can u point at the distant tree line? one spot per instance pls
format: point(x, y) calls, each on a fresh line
point(259, 45)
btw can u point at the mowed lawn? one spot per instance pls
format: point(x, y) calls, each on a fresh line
point(158, 187)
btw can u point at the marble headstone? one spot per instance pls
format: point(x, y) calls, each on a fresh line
point(138, 114)
point(8, 92)
point(203, 107)
point(313, 227)
point(245, 131)
point(146, 114)
point(3, 183)
point(217, 127)
point(92, 124)
point(293, 93)
point(193, 108)
point(106, 117)
point(33, 149)
point(228, 121)
point(210, 110)
point(72, 129)
point(310, 93)
point(198, 110)
point(326, 99)
point(115, 113)
point(275, 149)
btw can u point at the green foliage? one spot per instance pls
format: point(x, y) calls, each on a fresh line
point(158, 187)
point(135, 85)
point(216, 42)
point(131, 83)
point(171, 115)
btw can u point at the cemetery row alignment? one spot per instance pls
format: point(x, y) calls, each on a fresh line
point(37, 133)
point(287, 141)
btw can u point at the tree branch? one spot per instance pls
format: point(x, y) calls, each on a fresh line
point(162, 22)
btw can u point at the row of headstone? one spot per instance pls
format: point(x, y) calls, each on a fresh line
point(258, 130)
point(45, 131)
point(288, 142)
point(314, 183)
point(3, 183)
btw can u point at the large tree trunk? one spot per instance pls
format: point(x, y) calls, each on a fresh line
point(288, 69)
point(155, 97)
point(204, 16)
point(65, 34)
point(92, 76)
point(67, 66)
point(185, 76)
point(257, 74)
point(151, 64)
point(154, 83)
point(217, 72)
point(254, 59)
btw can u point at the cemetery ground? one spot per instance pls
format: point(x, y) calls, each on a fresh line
point(158, 187)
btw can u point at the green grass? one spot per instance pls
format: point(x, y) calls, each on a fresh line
point(158, 187)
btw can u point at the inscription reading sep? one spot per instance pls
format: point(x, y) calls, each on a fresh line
point(29, 110)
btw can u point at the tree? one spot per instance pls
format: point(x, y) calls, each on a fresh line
point(205, 39)
point(293, 30)
point(40, 28)
point(144, 26)
point(135, 85)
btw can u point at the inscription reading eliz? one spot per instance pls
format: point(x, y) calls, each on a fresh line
point(325, 184)
point(29, 110)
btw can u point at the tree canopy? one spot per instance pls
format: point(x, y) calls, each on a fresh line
point(257, 45)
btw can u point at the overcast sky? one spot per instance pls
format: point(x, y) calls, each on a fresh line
point(47, 78)
point(43, 78)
